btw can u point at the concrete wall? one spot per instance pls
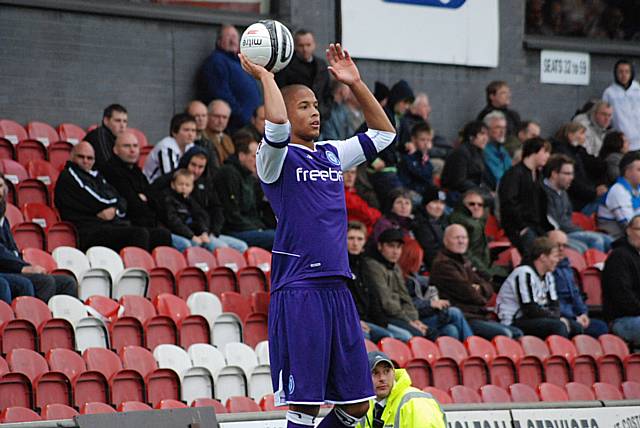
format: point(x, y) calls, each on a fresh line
point(68, 65)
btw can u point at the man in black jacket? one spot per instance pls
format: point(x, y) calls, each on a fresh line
point(498, 96)
point(102, 139)
point(84, 198)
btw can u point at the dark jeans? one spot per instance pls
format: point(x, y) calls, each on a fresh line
point(47, 286)
point(432, 334)
point(19, 285)
point(5, 290)
point(118, 237)
point(262, 238)
point(490, 329)
point(544, 327)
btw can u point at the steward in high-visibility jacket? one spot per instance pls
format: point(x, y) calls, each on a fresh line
point(397, 403)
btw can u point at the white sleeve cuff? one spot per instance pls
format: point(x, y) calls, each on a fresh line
point(276, 132)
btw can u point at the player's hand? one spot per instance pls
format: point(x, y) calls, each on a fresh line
point(341, 66)
point(257, 71)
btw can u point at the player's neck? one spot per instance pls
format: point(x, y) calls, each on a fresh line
point(307, 143)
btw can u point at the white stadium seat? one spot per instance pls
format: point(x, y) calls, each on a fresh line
point(125, 281)
point(91, 281)
point(197, 382)
point(206, 304)
point(262, 352)
point(230, 382)
point(205, 355)
point(227, 328)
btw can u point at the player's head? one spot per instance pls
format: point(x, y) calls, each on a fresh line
point(356, 237)
point(382, 373)
point(302, 110)
point(390, 243)
point(182, 182)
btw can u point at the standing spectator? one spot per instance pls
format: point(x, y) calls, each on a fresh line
point(114, 122)
point(357, 208)
point(596, 122)
point(416, 169)
point(237, 184)
point(624, 96)
point(528, 298)
point(622, 201)
point(346, 115)
point(558, 177)
point(572, 306)
point(523, 203)
point(615, 145)
point(458, 282)
point(496, 156)
point(221, 143)
point(166, 154)
point(498, 96)
point(430, 224)
point(222, 77)
point(527, 129)
point(621, 285)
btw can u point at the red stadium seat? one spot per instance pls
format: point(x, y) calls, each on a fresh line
point(12, 131)
point(88, 385)
point(502, 368)
point(464, 395)
point(370, 346)
point(590, 279)
point(28, 150)
point(606, 391)
point(258, 257)
point(52, 332)
point(441, 396)
point(32, 191)
point(221, 280)
point(42, 170)
point(70, 133)
point(241, 405)
point(631, 390)
point(137, 307)
point(267, 404)
point(126, 331)
point(170, 404)
point(52, 412)
point(7, 150)
point(18, 414)
point(15, 390)
point(192, 328)
point(420, 372)
point(452, 348)
point(94, 408)
point(613, 345)
point(494, 394)
point(492, 229)
point(250, 279)
point(107, 307)
point(583, 367)
point(576, 259)
point(236, 303)
point(593, 257)
point(583, 221)
point(124, 385)
point(61, 234)
point(13, 214)
point(398, 351)
point(577, 391)
point(36, 256)
point(188, 279)
point(133, 406)
point(260, 302)
point(473, 369)
point(42, 214)
point(16, 333)
point(161, 279)
point(201, 258)
point(255, 329)
point(228, 257)
point(529, 368)
point(523, 393)
point(556, 367)
point(510, 257)
point(211, 402)
point(59, 153)
point(159, 329)
point(13, 171)
point(424, 348)
point(42, 132)
point(610, 367)
point(142, 139)
point(28, 235)
point(66, 361)
point(552, 392)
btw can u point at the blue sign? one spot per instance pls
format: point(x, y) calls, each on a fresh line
point(449, 4)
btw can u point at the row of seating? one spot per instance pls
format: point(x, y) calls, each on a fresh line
point(503, 362)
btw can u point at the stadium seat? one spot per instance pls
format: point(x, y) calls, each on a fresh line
point(577, 391)
point(556, 367)
point(510, 257)
point(191, 328)
point(441, 396)
point(260, 258)
point(56, 411)
point(12, 131)
point(130, 281)
point(170, 404)
point(43, 170)
point(59, 153)
point(124, 384)
point(15, 390)
point(222, 279)
point(610, 366)
point(576, 259)
point(133, 406)
point(424, 348)
point(28, 150)
point(502, 368)
point(420, 372)
point(94, 408)
point(201, 258)
point(236, 303)
point(126, 331)
point(195, 381)
point(161, 280)
point(206, 304)
point(631, 390)
point(446, 373)
point(70, 133)
point(15, 333)
point(106, 307)
point(7, 149)
point(262, 352)
point(584, 368)
point(258, 376)
point(552, 392)
point(250, 278)
point(590, 279)
point(61, 234)
point(36, 256)
point(494, 394)
point(210, 402)
point(398, 351)
point(208, 356)
point(229, 381)
point(267, 404)
point(227, 328)
point(461, 394)
point(241, 404)
point(594, 257)
point(13, 214)
point(90, 332)
point(42, 132)
point(138, 324)
point(606, 391)
point(13, 171)
point(260, 302)
point(52, 332)
point(583, 221)
point(32, 191)
point(523, 393)
point(189, 279)
point(255, 329)
point(159, 330)
point(474, 370)
point(91, 281)
point(142, 139)
point(529, 368)
point(28, 235)
point(18, 414)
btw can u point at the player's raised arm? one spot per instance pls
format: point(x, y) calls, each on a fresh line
point(345, 71)
point(274, 107)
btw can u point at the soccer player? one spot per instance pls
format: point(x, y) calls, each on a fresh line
point(316, 346)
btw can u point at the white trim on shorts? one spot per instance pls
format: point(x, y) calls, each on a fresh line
point(361, 400)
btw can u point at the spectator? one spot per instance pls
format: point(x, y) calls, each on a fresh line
point(416, 169)
point(166, 154)
point(496, 156)
point(381, 270)
point(457, 281)
point(527, 129)
point(357, 208)
point(614, 146)
point(470, 214)
point(374, 323)
point(199, 112)
point(558, 177)
point(596, 122)
point(114, 121)
point(624, 97)
point(396, 401)
point(237, 186)
point(430, 224)
point(309, 70)
point(528, 298)
point(20, 278)
point(400, 216)
point(222, 77)
point(621, 285)
point(464, 168)
point(418, 112)
point(498, 96)
point(622, 201)
point(346, 115)
point(256, 126)
point(124, 174)
point(381, 93)
point(523, 203)
point(222, 145)
point(588, 170)
point(84, 198)
point(569, 295)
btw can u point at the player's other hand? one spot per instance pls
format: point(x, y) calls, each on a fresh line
point(341, 66)
point(257, 71)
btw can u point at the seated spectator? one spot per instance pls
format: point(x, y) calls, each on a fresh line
point(256, 126)
point(400, 216)
point(199, 112)
point(221, 144)
point(523, 203)
point(84, 198)
point(527, 129)
point(621, 285)
point(528, 298)
point(114, 121)
point(237, 184)
point(589, 172)
point(496, 156)
point(614, 146)
point(430, 224)
point(167, 152)
point(596, 122)
point(498, 96)
point(457, 281)
point(357, 208)
point(622, 201)
point(464, 168)
point(416, 169)
point(124, 174)
point(19, 278)
point(558, 177)
point(346, 115)
point(572, 306)
point(373, 321)
point(471, 215)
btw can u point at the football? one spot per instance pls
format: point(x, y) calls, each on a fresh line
point(267, 43)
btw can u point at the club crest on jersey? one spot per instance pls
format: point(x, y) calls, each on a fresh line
point(292, 385)
point(332, 157)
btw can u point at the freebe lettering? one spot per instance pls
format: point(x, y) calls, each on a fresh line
point(318, 175)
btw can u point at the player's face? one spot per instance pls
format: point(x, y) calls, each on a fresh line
point(383, 379)
point(402, 207)
point(355, 241)
point(117, 123)
point(186, 134)
point(391, 251)
point(127, 148)
point(302, 109)
point(183, 185)
point(196, 166)
point(305, 45)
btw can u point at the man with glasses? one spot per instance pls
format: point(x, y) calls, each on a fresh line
point(597, 121)
point(222, 145)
